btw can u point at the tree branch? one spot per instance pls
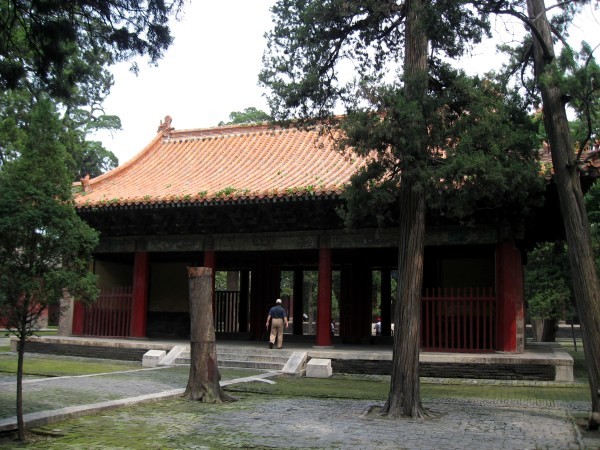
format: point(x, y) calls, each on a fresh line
point(548, 55)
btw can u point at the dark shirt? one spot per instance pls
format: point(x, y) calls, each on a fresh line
point(277, 312)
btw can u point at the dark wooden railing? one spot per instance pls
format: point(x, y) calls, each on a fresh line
point(110, 314)
point(227, 311)
point(458, 320)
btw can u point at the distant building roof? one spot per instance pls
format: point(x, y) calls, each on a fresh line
point(589, 161)
point(236, 164)
point(224, 164)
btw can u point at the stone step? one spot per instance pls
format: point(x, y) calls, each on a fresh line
point(251, 365)
point(241, 364)
point(244, 354)
point(250, 358)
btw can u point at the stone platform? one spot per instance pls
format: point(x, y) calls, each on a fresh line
point(539, 362)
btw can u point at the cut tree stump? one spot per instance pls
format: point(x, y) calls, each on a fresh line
point(203, 383)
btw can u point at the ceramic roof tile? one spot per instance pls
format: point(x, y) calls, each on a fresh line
point(225, 163)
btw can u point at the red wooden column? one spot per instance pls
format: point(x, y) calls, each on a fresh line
point(210, 261)
point(324, 300)
point(78, 317)
point(509, 292)
point(139, 313)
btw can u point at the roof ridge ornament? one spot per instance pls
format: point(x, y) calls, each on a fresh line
point(165, 127)
point(85, 183)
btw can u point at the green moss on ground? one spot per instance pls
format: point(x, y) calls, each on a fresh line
point(57, 367)
point(169, 424)
point(501, 392)
point(176, 423)
point(349, 387)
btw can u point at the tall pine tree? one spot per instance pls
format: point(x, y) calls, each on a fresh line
point(44, 246)
point(442, 140)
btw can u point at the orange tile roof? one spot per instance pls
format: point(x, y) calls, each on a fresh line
point(589, 161)
point(224, 164)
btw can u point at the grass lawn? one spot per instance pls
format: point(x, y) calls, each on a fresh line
point(49, 332)
point(156, 425)
point(183, 424)
point(55, 366)
point(349, 387)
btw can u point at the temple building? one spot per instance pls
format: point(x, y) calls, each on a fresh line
point(259, 205)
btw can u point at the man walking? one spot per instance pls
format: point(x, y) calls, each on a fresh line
point(278, 317)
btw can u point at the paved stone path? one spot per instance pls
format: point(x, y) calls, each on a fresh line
point(271, 422)
point(313, 423)
point(44, 394)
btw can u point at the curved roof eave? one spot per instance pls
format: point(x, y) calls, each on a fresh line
point(224, 165)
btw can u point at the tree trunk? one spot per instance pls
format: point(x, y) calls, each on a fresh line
point(21, 356)
point(577, 229)
point(544, 330)
point(404, 398)
point(203, 383)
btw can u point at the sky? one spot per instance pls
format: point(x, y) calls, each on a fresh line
point(210, 70)
point(212, 67)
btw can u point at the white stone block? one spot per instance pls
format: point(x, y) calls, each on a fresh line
point(319, 368)
point(174, 353)
point(152, 358)
point(295, 365)
point(564, 373)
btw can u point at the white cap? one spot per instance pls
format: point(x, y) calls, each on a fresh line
point(278, 301)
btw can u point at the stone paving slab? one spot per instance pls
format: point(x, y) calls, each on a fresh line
point(301, 423)
point(315, 423)
point(42, 394)
point(275, 422)
point(40, 418)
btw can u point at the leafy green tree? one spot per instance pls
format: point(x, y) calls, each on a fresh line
point(88, 157)
point(44, 246)
point(547, 291)
point(81, 112)
point(84, 114)
point(247, 116)
point(40, 38)
point(438, 135)
point(54, 56)
point(13, 110)
point(579, 75)
point(63, 50)
point(557, 79)
point(592, 203)
point(85, 156)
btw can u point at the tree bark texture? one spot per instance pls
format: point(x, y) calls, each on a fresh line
point(23, 323)
point(572, 206)
point(405, 389)
point(21, 356)
point(203, 383)
point(544, 330)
